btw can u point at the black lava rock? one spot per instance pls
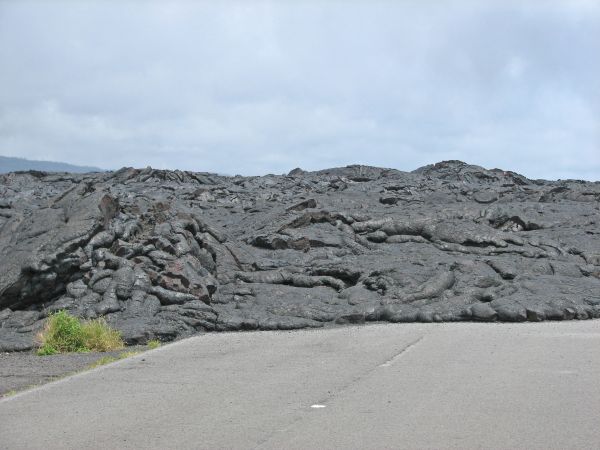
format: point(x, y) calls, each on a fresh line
point(165, 254)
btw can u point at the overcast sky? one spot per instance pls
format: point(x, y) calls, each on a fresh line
point(259, 87)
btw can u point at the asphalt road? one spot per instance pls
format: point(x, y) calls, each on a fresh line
point(419, 386)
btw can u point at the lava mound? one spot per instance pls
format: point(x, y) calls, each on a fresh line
point(165, 254)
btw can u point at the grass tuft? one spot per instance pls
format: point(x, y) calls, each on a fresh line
point(64, 333)
point(100, 337)
point(109, 359)
point(102, 361)
point(154, 343)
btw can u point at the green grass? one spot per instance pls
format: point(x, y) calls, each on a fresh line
point(64, 333)
point(100, 337)
point(109, 359)
point(154, 343)
point(102, 361)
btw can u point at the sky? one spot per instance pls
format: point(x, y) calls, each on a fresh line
point(257, 87)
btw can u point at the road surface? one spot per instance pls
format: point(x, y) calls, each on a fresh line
point(463, 385)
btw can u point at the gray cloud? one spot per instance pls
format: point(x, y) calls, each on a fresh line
point(258, 87)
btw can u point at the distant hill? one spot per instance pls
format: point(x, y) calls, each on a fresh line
point(9, 164)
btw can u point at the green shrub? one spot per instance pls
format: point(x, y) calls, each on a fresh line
point(154, 343)
point(64, 333)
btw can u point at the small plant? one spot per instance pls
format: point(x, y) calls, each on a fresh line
point(154, 343)
point(64, 333)
point(102, 361)
point(100, 337)
point(109, 359)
